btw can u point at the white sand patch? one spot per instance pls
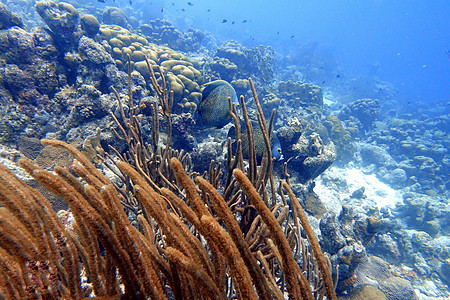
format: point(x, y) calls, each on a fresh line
point(336, 185)
point(376, 191)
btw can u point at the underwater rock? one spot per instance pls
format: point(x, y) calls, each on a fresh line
point(396, 178)
point(385, 246)
point(17, 46)
point(372, 154)
point(364, 292)
point(254, 62)
point(445, 270)
point(20, 85)
point(223, 68)
point(90, 25)
point(312, 157)
point(365, 110)
point(306, 95)
point(347, 228)
point(181, 136)
point(424, 243)
point(87, 106)
point(262, 57)
point(8, 19)
point(94, 52)
point(206, 152)
point(332, 237)
point(314, 205)
point(422, 212)
point(289, 135)
point(5, 16)
point(234, 52)
point(115, 16)
point(341, 139)
point(162, 32)
point(348, 258)
point(270, 101)
point(397, 288)
point(46, 78)
point(44, 46)
point(12, 124)
point(61, 18)
point(359, 193)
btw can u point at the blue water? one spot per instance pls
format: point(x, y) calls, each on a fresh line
point(403, 42)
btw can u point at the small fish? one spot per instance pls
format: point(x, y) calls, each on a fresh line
point(190, 4)
point(292, 36)
point(213, 110)
point(101, 1)
point(224, 21)
point(162, 9)
point(278, 33)
point(183, 9)
point(245, 21)
point(232, 23)
point(131, 3)
point(208, 10)
point(338, 76)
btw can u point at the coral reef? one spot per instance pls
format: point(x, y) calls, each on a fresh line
point(306, 95)
point(346, 237)
point(341, 139)
point(364, 110)
point(162, 242)
point(162, 32)
point(8, 19)
point(311, 157)
point(420, 146)
point(90, 25)
point(62, 19)
point(255, 62)
point(115, 16)
point(182, 73)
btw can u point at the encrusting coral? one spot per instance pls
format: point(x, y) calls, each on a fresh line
point(189, 241)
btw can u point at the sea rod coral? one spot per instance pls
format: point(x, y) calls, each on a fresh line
point(189, 241)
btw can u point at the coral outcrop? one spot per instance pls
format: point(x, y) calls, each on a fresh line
point(162, 32)
point(61, 18)
point(255, 62)
point(183, 76)
point(365, 111)
point(306, 95)
point(8, 19)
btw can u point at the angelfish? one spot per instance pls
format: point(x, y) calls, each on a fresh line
point(214, 110)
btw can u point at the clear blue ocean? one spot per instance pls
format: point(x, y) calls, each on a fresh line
point(402, 42)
